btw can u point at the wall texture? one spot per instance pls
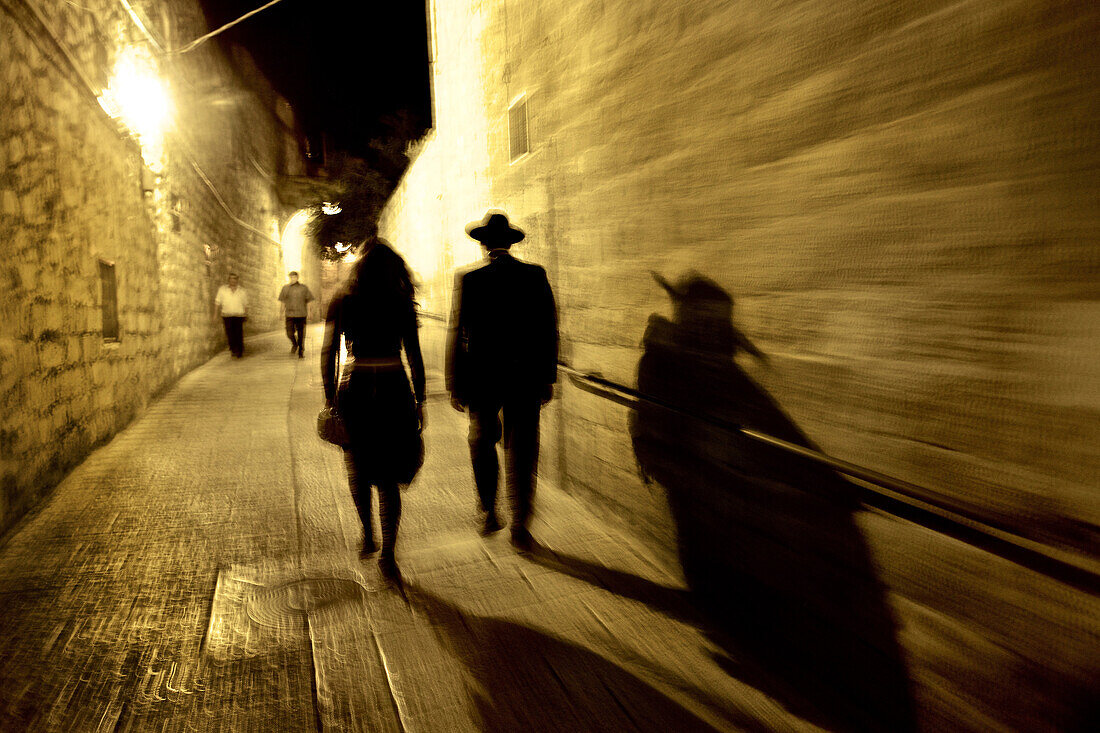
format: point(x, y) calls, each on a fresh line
point(896, 197)
point(76, 189)
point(894, 204)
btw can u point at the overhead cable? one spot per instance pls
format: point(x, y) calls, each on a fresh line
point(202, 39)
point(141, 26)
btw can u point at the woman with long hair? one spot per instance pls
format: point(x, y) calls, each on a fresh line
point(375, 313)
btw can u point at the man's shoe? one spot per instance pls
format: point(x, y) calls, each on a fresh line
point(301, 354)
point(293, 348)
point(491, 524)
point(521, 539)
point(388, 567)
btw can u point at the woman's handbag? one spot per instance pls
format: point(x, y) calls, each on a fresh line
point(412, 446)
point(331, 427)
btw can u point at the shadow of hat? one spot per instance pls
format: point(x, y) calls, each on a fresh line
point(494, 229)
point(693, 288)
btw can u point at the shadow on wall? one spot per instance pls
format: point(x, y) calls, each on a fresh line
point(767, 540)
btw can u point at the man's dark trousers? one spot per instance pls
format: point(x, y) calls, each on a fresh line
point(296, 332)
point(520, 430)
point(234, 334)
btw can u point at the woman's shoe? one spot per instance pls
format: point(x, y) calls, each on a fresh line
point(521, 539)
point(491, 525)
point(388, 566)
point(369, 548)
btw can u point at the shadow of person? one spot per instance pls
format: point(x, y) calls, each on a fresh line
point(672, 602)
point(767, 540)
point(527, 680)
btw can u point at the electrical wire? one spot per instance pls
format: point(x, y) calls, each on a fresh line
point(141, 26)
point(225, 206)
point(202, 39)
point(90, 88)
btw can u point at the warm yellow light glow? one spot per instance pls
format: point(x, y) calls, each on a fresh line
point(137, 96)
point(331, 209)
point(428, 229)
point(294, 241)
point(341, 247)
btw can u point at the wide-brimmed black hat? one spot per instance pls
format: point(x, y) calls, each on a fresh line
point(494, 229)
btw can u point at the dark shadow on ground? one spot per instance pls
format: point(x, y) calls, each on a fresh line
point(672, 602)
point(528, 680)
point(775, 562)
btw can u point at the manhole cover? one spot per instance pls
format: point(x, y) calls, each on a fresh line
point(285, 604)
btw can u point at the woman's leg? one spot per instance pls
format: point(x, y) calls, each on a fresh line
point(389, 506)
point(362, 498)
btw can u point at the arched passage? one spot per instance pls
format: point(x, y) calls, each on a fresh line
point(294, 241)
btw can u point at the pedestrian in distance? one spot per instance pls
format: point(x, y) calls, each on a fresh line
point(295, 298)
point(502, 355)
point(375, 314)
point(231, 305)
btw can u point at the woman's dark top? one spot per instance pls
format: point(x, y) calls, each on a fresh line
point(376, 315)
point(370, 336)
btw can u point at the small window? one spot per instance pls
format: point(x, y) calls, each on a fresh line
point(109, 298)
point(519, 145)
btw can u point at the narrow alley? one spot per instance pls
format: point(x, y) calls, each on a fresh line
point(794, 303)
point(200, 572)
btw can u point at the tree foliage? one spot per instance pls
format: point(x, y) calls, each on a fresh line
point(363, 194)
point(365, 184)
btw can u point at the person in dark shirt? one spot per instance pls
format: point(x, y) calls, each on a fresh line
point(375, 314)
point(295, 298)
point(502, 361)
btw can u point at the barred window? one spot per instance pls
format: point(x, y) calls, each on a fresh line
point(519, 144)
point(109, 300)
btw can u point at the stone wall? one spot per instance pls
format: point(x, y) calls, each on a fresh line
point(895, 197)
point(882, 221)
point(77, 189)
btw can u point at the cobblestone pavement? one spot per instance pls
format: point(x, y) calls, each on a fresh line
point(200, 572)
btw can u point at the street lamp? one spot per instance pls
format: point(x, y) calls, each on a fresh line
point(136, 95)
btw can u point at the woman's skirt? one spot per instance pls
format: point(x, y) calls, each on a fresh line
point(379, 411)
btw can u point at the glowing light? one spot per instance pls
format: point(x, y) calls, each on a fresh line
point(331, 209)
point(348, 250)
point(136, 95)
point(294, 240)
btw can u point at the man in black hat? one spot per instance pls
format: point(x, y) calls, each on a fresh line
point(502, 358)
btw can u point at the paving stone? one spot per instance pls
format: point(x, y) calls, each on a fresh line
point(201, 572)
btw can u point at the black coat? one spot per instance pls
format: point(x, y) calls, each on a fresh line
point(504, 332)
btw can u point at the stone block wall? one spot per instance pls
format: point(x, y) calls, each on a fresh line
point(895, 197)
point(75, 191)
point(883, 218)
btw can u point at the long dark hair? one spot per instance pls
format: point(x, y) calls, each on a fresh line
point(378, 293)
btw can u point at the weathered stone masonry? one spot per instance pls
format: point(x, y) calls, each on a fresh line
point(900, 198)
point(75, 191)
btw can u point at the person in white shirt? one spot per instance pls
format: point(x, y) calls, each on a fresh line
point(231, 304)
